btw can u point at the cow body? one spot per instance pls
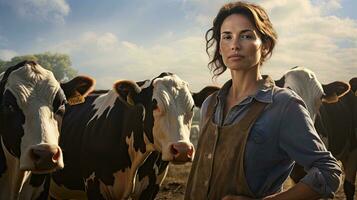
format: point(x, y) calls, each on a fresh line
point(106, 139)
point(32, 102)
point(337, 122)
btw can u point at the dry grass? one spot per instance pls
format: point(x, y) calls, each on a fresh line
point(174, 185)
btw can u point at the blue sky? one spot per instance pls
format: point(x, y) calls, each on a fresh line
point(114, 39)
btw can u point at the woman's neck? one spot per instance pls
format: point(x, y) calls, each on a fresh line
point(244, 83)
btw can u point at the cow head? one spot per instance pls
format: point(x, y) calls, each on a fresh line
point(304, 82)
point(168, 113)
point(32, 104)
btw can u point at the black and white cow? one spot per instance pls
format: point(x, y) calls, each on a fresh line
point(31, 105)
point(338, 123)
point(106, 139)
point(305, 83)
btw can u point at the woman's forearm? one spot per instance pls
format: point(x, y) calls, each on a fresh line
point(299, 191)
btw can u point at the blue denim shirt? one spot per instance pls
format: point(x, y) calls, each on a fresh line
point(282, 135)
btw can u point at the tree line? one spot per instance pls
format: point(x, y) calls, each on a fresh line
point(59, 64)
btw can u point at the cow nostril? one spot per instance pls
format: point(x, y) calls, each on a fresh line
point(36, 154)
point(174, 151)
point(56, 156)
point(190, 152)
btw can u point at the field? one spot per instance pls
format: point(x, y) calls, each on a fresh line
point(174, 185)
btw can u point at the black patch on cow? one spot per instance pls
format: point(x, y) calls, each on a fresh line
point(36, 180)
point(147, 169)
point(12, 120)
point(93, 190)
point(280, 82)
point(2, 161)
point(349, 189)
point(59, 103)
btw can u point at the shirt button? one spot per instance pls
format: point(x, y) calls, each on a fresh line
point(209, 156)
point(206, 183)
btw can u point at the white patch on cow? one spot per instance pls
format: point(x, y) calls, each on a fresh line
point(61, 192)
point(174, 116)
point(121, 189)
point(137, 159)
point(304, 82)
point(104, 102)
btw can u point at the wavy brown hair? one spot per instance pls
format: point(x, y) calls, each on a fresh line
point(256, 15)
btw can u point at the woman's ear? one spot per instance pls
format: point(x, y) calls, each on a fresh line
point(265, 47)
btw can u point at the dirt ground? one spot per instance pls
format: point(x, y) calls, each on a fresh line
point(174, 185)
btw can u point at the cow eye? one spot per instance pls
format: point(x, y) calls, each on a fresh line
point(60, 111)
point(154, 104)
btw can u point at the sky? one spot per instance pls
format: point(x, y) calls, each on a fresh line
point(136, 40)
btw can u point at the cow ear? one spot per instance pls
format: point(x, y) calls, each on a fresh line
point(203, 94)
point(353, 84)
point(77, 88)
point(280, 82)
point(127, 90)
point(333, 91)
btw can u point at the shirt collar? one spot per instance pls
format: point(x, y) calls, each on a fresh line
point(264, 93)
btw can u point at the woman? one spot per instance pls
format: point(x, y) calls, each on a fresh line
point(252, 131)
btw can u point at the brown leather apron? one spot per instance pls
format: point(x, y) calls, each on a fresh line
point(218, 167)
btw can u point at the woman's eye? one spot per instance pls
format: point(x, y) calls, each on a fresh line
point(246, 37)
point(226, 37)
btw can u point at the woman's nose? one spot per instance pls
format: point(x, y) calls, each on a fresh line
point(235, 45)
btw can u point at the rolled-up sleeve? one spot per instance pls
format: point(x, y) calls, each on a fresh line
point(299, 140)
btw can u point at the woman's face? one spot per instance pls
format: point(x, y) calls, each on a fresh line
point(240, 44)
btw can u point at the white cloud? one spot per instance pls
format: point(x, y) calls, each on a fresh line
point(43, 10)
point(309, 35)
point(110, 59)
point(6, 54)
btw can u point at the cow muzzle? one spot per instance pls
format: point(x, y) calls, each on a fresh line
point(182, 152)
point(44, 158)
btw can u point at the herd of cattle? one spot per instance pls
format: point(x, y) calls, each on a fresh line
point(68, 141)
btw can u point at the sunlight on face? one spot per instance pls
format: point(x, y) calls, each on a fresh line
point(240, 44)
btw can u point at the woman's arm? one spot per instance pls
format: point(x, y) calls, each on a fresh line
point(300, 141)
point(300, 191)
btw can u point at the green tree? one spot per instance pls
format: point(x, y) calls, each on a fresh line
point(2, 65)
point(59, 64)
